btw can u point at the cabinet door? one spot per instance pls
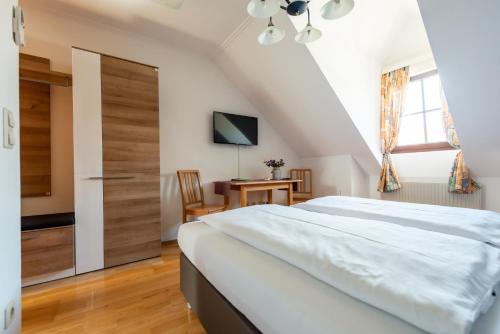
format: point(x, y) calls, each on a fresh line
point(131, 161)
point(87, 141)
point(47, 251)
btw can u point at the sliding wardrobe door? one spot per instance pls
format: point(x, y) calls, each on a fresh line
point(131, 161)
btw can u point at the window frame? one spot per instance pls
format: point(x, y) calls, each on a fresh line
point(425, 147)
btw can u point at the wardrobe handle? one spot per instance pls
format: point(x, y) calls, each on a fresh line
point(111, 178)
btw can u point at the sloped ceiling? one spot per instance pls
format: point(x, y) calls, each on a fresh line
point(287, 85)
point(302, 97)
point(388, 31)
point(198, 24)
point(464, 36)
point(324, 97)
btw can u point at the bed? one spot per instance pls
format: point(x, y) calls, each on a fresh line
point(237, 288)
point(480, 225)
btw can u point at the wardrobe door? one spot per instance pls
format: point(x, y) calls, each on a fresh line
point(87, 141)
point(131, 161)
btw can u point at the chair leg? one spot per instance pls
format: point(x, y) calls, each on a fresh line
point(184, 217)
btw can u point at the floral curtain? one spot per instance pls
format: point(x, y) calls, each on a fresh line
point(460, 181)
point(393, 92)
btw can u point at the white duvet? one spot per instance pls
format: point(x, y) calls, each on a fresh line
point(437, 282)
point(480, 225)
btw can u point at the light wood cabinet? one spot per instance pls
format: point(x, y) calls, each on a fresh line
point(47, 251)
point(131, 161)
point(117, 174)
point(34, 102)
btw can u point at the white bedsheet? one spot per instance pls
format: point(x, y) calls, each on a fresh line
point(437, 282)
point(480, 225)
point(279, 298)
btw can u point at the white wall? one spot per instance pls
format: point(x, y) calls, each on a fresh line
point(10, 229)
point(191, 87)
point(430, 166)
point(373, 184)
point(360, 180)
point(337, 175)
point(491, 192)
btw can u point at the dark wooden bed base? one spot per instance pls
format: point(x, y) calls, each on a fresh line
point(215, 312)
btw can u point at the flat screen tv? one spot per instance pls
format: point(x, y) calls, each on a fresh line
point(235, 129)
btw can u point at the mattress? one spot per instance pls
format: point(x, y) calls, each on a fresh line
point(280, 298)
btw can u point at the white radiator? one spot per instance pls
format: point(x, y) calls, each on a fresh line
point(434, 193)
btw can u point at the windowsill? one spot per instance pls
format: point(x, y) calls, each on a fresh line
point(443, 146)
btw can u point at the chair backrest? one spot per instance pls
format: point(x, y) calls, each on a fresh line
point(304, 188)
point(191, 189)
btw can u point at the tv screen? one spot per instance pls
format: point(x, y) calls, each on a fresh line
point(235, 129)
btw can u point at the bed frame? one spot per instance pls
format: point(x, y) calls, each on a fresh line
point(214, 311)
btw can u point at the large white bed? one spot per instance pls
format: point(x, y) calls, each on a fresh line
point(277, 297)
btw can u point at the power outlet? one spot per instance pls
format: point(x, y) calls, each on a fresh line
point(9, 314)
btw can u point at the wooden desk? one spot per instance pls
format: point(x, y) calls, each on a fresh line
point(224, 188)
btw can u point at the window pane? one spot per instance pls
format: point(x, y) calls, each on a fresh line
point(411, 130)
point(435, 129)
point(432, 92)
point(414, 98)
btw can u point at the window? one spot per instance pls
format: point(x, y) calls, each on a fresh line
point(421, 127)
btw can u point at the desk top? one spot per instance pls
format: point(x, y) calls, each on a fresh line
point(257, 182)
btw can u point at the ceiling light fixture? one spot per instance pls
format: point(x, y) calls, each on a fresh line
point(261, 9)
point(309, 34)
point(174, 4)
point(335, 9)
point(272, 34)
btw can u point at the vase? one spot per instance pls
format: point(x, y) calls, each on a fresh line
point(276, 172)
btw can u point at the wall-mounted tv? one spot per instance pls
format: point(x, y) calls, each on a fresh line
point(235, 129)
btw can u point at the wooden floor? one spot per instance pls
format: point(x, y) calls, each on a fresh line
point(142, 297)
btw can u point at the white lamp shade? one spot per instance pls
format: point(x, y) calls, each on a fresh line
point(307, 35)
point(271, 35)
point(175, 4)
point(335, 9)
point(262, 9)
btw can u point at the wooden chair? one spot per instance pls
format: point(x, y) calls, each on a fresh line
point(304, 188)
point(193, 200)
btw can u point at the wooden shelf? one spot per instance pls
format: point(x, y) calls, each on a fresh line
point(37, 69)
point(51, 77)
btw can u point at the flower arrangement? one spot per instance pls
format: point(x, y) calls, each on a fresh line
point(275, 163)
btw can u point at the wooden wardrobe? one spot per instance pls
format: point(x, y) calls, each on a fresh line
point(117, 161)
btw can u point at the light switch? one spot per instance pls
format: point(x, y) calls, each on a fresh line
point(12, 138)
point(11, 120)
point(9, 124)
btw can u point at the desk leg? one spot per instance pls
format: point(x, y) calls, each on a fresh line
point(226, 201)
point(243, 197)
point(290, 194)
point(270, 196)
